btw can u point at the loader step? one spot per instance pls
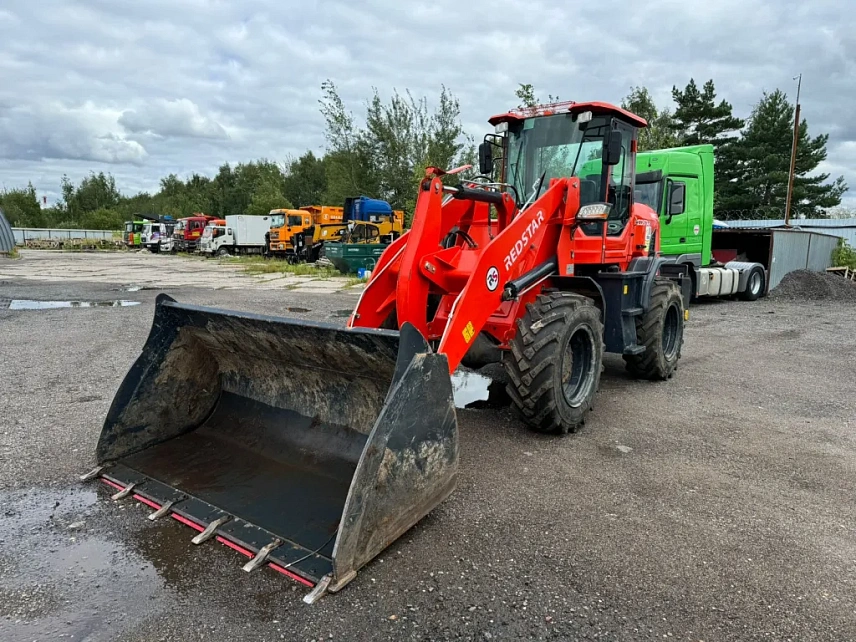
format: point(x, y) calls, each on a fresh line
point(634, 349)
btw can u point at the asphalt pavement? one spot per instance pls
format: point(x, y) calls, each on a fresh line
point(716, 506)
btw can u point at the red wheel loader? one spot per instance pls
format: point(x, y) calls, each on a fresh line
point(309, 447)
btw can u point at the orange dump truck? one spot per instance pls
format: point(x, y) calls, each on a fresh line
point(286, 223)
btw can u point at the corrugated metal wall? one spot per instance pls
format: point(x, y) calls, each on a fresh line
point(799, 250)
point(820, 252)
point(7, 240)
point(23, 234)
point(842, 227)
point(790, 252)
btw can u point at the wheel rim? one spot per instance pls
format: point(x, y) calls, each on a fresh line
point(578, 364)
point(755, 282)
point(671, 330)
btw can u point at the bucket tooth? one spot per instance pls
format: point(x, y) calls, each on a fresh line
point(122, 494)
point(92, 474)
point(318, 592)
point(163, 510)
point(209, 531)
point(262, 555)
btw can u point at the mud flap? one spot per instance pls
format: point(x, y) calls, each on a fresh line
point(315, 444)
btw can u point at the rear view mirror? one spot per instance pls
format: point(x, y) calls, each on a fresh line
point(677, 198)
point(229, 231)
point(612, 148)
point(485, 158)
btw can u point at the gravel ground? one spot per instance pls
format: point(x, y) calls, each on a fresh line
point(716, 506)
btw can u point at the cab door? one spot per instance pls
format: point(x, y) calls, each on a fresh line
point(680, 211)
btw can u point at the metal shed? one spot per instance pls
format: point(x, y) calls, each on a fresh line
point(842, 227)
point(780, 250)
point(7, 240)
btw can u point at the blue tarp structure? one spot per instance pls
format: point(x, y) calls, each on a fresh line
point(7, 241)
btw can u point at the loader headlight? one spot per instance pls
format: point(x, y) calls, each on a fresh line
point(594, 211)
point(501, 128)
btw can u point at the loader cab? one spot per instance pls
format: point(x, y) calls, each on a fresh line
point(588, 141)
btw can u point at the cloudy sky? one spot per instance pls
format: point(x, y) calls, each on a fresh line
point(141, 89)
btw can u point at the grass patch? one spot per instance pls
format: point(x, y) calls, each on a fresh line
point(261, 265)
point(14, 254)
point(352, 281)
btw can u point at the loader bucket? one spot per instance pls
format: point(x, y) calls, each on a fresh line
point(306, 445)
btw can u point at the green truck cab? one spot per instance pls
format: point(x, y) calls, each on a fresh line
point(677, 183)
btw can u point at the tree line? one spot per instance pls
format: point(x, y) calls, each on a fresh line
point(752, 155)
point(384, 153)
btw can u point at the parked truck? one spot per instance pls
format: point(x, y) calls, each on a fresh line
point(188, 231)
point(238, 234)
point(378, 214)
point(286, 223)
point(132, 233)
point(677, 183)
point(157, 235)
point(372, 226)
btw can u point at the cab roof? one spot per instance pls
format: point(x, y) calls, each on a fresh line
point(567, 107)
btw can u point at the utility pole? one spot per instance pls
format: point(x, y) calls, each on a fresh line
point(793, 153)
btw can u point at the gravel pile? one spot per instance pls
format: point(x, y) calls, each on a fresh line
point(814, 286)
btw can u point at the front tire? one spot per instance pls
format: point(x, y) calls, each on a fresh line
point(661, 331)
point(555, 362)
point(223, 251)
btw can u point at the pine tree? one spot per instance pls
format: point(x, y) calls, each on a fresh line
point(699, 119)
point(761, 159)
point(659, 134)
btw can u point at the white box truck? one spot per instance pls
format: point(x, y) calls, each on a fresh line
point(241, 234)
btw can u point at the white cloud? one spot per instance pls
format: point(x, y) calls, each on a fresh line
point(144, 89)
point(55, 131)
point(172, 118)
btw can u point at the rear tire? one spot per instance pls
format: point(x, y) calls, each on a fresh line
point(754, 284)
point(661, 331)
point(555, 362)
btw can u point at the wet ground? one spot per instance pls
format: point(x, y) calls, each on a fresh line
point(716, 506)
point(140, 270)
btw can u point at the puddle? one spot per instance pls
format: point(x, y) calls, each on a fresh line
point(341, 313)
point(28, 304)
point(475, 390)
point(298, 309)
point(62, 578)
point(470, 387)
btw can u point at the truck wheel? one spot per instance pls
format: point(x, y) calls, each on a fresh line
point(754, 284)
point(223, 251)
point(555, 362)
point(661, 331)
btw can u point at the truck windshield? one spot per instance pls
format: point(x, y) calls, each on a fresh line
point(207, 232)
point(295, 220)
point(277, 220)
point(649, 194)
